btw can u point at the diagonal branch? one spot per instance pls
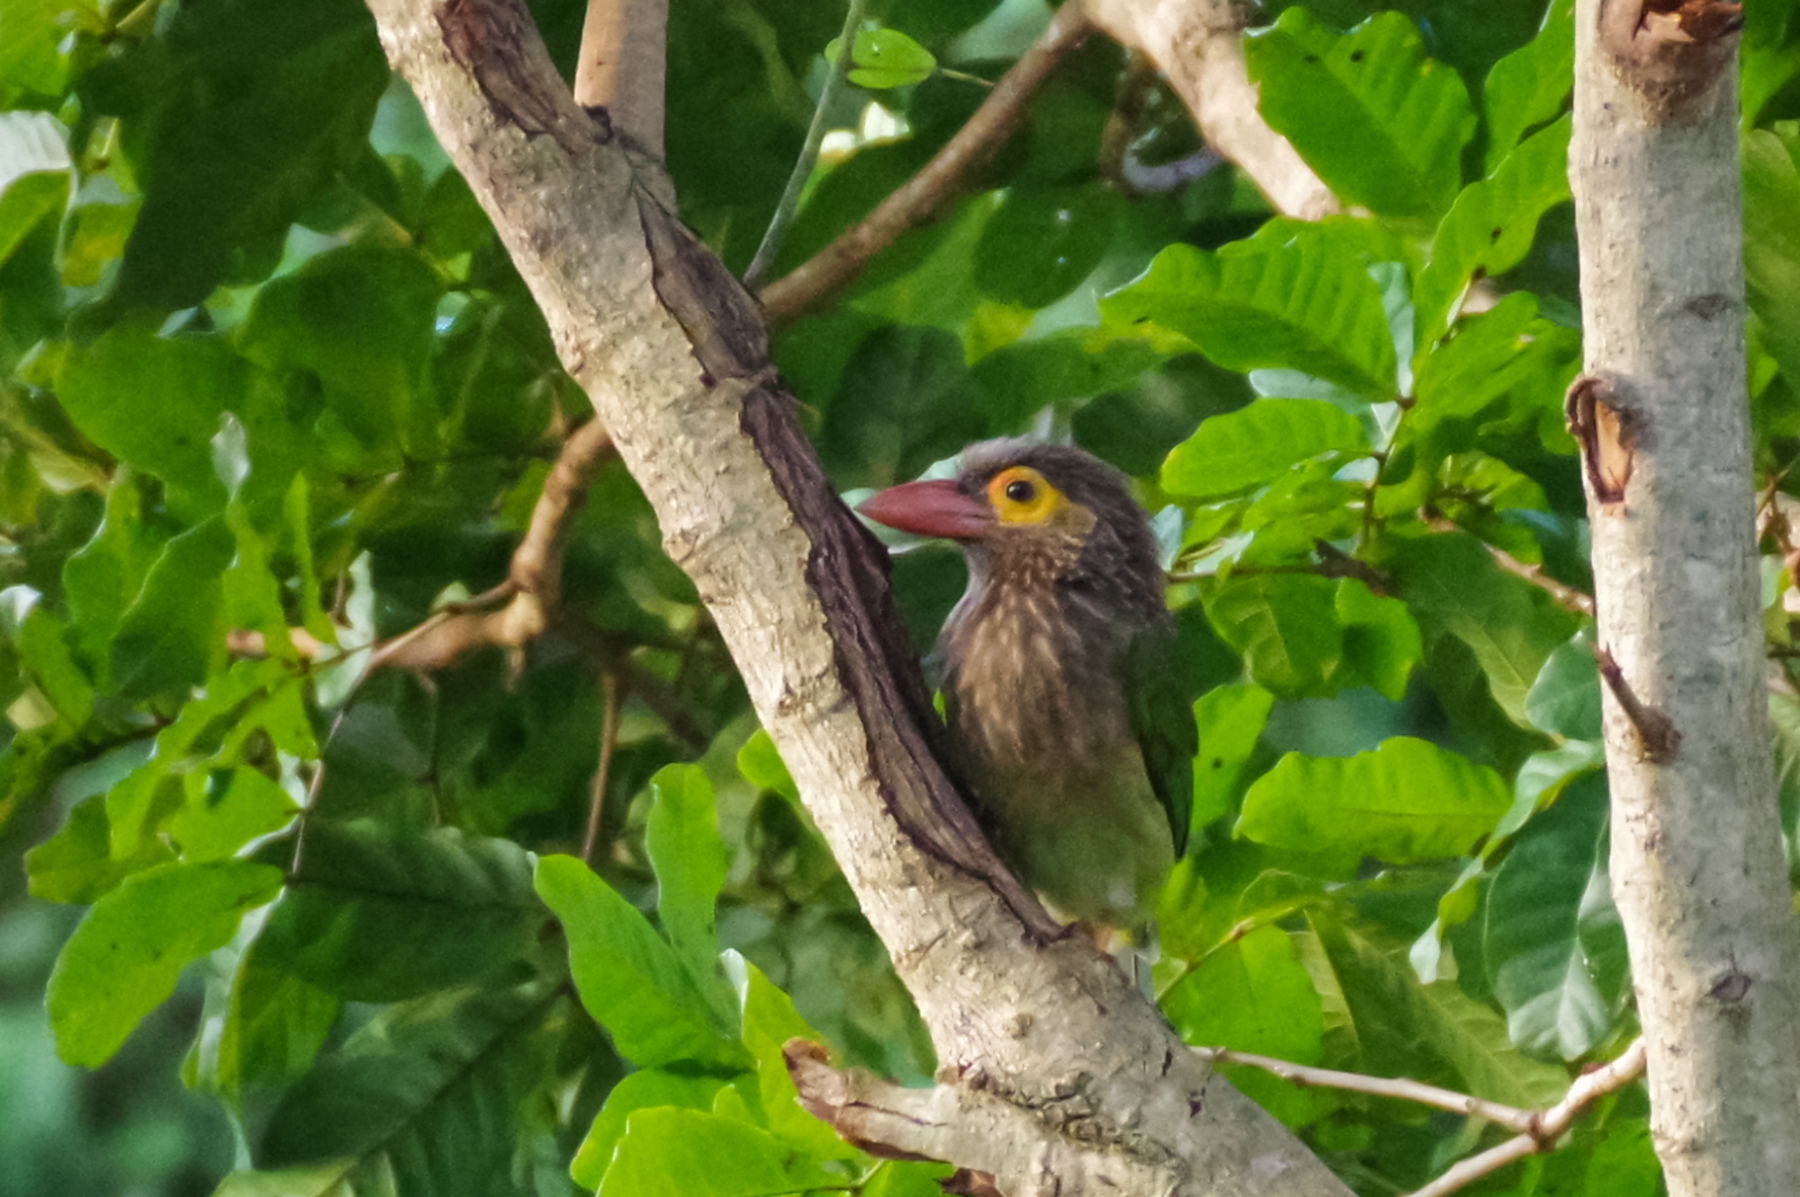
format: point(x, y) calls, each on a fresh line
point(673, 352)
point(1198, 44)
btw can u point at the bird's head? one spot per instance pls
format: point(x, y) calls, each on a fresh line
point(1040, 512)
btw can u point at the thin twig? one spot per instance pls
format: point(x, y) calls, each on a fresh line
point(1538, 1130)
point(1567, 597)
point(1396, 1087)
point(611, 697)
point(783, 220)
point(921, 198)
point(1549, 1128)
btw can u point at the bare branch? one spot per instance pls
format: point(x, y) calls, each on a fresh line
point(1548, 1128)
point(623, 67)
point(610, 699)
point(1198, 44)
point(921, 199)
point(1399, 1088)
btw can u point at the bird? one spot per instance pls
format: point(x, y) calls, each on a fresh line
point(1066, 694)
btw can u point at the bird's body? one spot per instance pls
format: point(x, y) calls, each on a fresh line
point(1064, 687)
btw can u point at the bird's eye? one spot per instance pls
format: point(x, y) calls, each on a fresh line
point(1020, 491)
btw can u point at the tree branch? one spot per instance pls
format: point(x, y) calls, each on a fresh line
point(673, 352)
point(622, 68)
point(921, 199)
point(1198, 44)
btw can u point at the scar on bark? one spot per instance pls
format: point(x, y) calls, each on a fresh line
point(484, 36)
point(1658, 739)
point(1607, 432)
point(1670, 51)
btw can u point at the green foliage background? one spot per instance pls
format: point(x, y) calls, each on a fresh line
point(264, 365)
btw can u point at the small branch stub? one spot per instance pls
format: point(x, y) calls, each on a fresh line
point(1607, 432)
point(1669, 51)
point(1658, 739)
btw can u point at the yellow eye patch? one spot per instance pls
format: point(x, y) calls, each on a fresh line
point(1021, 495)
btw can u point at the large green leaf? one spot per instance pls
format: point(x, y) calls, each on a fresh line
point(275, 1024)
point(125, 956)
point(1453, 587)
point(682, 840)
point(770, 1020)
point(1294, 296)
point(378, 917)
point(1041, 242)
point(1406, 801)
point(359, 321)
point(672, 1152)
point(155, 402)
point(1772, 243)
point(1429, 1032)
point(1286, 627)
point(1530, 86)
point(1257, 443)
point(170, 634)
point(1229, 718)
point(647, 1088)
point(1504, 354)
point(1490, 228)
point(428, 1092)
point(630, 979)
point(1253, 995)
point(1381, 123)
point(1565, 699)
point(1552, 941)
point(234, 120)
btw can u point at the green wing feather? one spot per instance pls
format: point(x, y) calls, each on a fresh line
point(1160, 694)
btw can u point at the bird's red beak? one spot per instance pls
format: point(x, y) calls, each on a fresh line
point(931, 508)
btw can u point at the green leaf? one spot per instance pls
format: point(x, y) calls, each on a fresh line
point(107, 572)
point(671, 1152)
point(630, 979)
point(761, 765)
point(226, 809)
point(1552, 941)
point(1286, 627)
point(428, 1090)
point(1429, 1032)
point(223, 181)
point(77, 865)
point(1490, 228)
point(378, 917)
point(1453, 587)
point(1406, 801)
point(45, 652)
point(335, 1179)
point(275, 1024)
point(1381, 641)
point(1772, 243)
point(155, 402)
point(1565, 699)
point(359, 320)
point(1294, 296)
point(1381, 123)
point(645, 1089)
point(1530, 85)
point(125, 956)
point(1040, 243)
point(171, 633)
point(690, 860)
point(1230, 719)
point(1253, 995)
point(770, 1020)
point(884, 58)
point(1258, 443)
point(1504, 355)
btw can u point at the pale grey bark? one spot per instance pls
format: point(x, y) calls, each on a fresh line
point(672, 352)
point(1697, 865)
point(1199, 46)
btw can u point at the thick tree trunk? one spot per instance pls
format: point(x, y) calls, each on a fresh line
point(1696, 847)
point(1057, 1075)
